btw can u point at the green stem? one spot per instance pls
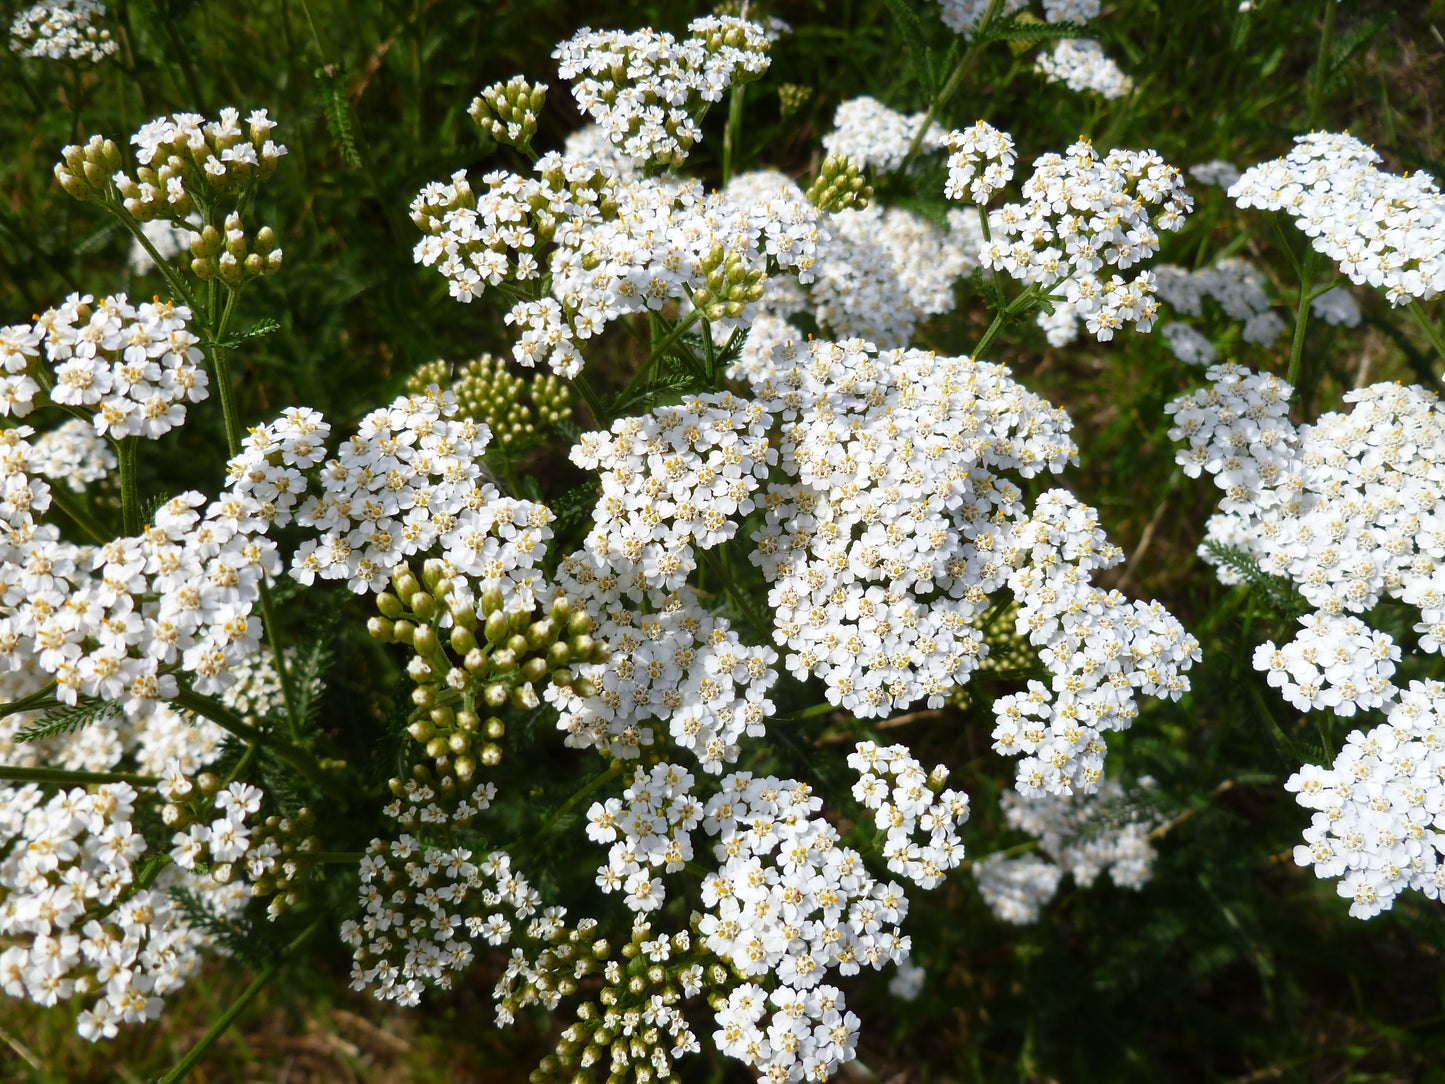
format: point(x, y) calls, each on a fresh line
point(593, 401)
point(63, 778)
point(1005, 316)
point(658, 350)
point(288, 692)
point(1301, 321)
point(732, 133)
point(40, 698)
point(129, 498)
point(964, 63)
point(221, 371)
point(1431, 332)
point(227, 719)
point(999, 319)
point(613, 770)
point(1007, 852)
point(717, 568)
point(221, 367)
point(1317, 92)
point(62, 499)
point(337, 858)
point(183, 1067)
point(173, 280)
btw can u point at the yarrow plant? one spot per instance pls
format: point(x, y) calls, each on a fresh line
point(577, 679)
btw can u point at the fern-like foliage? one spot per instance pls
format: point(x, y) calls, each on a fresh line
point(1278, 593)
point(67, 719)
point(238, 938)
point(338, 119)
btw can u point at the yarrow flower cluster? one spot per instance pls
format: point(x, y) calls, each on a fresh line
point(133, 368)
point(1215, 172)
point(963, 16)
point(1235, 285)
point(409, 481)
point(73, 453)
point(74, 922)
point(62, 30)
point(653, 830)
point(1335, 662)
point(982, 145)
point(1348, 510)
point(420, 919)
point(1381, 228)
point(900, 526)
point(672, 661)
point(1083, 66)
point(788, 902)
point(1082, 215)
point(646, 89)
point(904, 799)
point(105, 622)
point(871, 134)
point(612, 246)
point(1378, 818)
point(1081, 837)
point(673, 480)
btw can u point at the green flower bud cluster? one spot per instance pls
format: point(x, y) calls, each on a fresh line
point(473, 658)
point(610, 1034)
point(729, 286)
point(792, 97)
point(840, 186)
point(294, 842)
point(85, 171)
point(1008, 652)
point(487, 393)
point(214, 254)
point(508, 111)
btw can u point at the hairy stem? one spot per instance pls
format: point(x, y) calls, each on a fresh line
point(129, 498)
point(66, 502)
point(732, 134)
point(1317, 91)
point(1437, 340)
point(949, 88)
point(61, 777)
point(1301, 321)
point(293, 755)
point(223, 1023)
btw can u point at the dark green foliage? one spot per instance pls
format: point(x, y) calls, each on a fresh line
point(67, 719)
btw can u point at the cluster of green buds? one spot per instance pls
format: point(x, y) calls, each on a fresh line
point(488, 394)
point(508, 111)
point(226, 255)
point(729, 287)
point(840, 185)
point(1009, 653)
point(85, 170)
point(290, 842)
point(792, 97)
point(473, 657)
point(634, 1025)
